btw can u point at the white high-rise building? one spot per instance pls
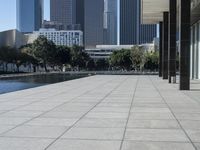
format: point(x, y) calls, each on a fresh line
point(63, 37)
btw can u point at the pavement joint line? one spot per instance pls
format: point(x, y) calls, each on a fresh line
point(51, 109)
point(18, 137)
point(114, 88)
point(129, 113)
point(194, 146)
point(72, 139)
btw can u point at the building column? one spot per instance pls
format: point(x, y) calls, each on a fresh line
point(184, 35)
point(160, 48)
point(172, 40)
point(165, 45)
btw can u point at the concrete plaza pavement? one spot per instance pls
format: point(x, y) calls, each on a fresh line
point(102, 113)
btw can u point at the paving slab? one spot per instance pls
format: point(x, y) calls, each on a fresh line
point(130, 145)
point(102, 112)
point(24, 143)
point(65, 144)
point(95, 133)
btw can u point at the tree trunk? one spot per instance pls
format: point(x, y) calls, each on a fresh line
point(6, 67)
point(45, 67)
point(34, 68)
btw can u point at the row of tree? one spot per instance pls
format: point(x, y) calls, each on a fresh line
point(135, 59)
point(10, 55)
point(45, 53)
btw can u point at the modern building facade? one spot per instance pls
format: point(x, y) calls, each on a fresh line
point(80, 11)
point(131, 30)
point(12, 38)
point(110, 21)
point(93, 32)
point(105, 51)
point(65, 38)
point(63, 11)
point(182, 17)
point(29, 15)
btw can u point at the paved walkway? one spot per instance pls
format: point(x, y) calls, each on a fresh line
point(102, 113)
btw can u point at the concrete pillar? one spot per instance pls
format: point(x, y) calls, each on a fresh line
point(160, 49)
point(165, 45)
point(184, 35)
point(172, 40)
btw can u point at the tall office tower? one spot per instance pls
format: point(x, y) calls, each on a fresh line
point(110, 22)
point(80, 14)
point(63, 11)
point(29, 15)
point(147, 33)
point(131, 30)
point(94, 10)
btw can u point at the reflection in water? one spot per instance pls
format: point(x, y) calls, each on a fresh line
point(20, 83)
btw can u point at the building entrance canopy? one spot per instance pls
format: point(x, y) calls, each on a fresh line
point(152, 10)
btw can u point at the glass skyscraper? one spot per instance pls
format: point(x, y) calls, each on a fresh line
point(110, 22)
point(29, 15)
point(131, 30)
point(63, 11)
point(94, 10)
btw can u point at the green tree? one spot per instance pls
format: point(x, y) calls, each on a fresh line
point(29, 52)
point(121, 59)
point(90, 65)
point(8, 54)
point(44, 50)
point(152, 59)
point(78, 57)
point(102, 64)
point(137, 57)
point(63, 56)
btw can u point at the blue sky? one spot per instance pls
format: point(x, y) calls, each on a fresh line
point(8, 14)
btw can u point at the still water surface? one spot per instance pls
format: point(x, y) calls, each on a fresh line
point(20, 83)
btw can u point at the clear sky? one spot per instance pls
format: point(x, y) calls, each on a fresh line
point(8, 14)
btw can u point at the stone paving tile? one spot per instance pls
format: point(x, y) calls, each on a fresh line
point(13, 120)
point(131, 145)
point(110, 109)
point(170, 135)
point(4, 128)
point(188, 116)
point(36, 131)
point(153, 124)
point(52, 122)
point(197, 146)
point(65, 144)
point(194, 135)
point(21, 114)
point(23, 143)
point(101, 123)
point(63, 114)
point(137, 109)
point(95, 133)
point(190, 124)
point(150, 105)
point(93, 113)
point(107, 115)
point(151, 116)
